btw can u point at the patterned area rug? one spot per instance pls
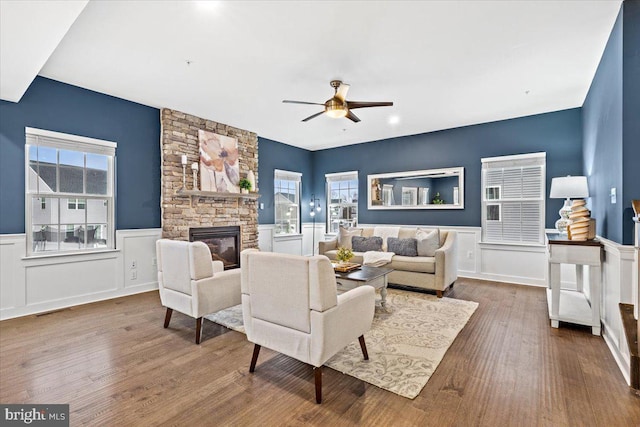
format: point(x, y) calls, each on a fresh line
point(406, 343)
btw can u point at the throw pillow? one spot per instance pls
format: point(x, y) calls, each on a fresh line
point(345, 235)
point(364, 244)
point(403, 247)
point(428, 241)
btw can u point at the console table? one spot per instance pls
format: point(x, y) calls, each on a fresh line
point(569, 305)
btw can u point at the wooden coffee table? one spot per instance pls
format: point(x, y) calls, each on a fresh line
point(372, 276)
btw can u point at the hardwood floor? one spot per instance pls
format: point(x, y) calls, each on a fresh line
point(115, 364)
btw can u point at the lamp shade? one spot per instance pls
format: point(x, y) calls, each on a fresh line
point(569, 187)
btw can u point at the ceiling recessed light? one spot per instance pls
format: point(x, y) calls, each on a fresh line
point(394, 120)
point(208, 5)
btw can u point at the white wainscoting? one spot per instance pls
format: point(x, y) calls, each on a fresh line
point(45, 283)
point(617, 287)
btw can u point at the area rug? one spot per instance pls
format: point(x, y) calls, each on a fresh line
point(407, 340)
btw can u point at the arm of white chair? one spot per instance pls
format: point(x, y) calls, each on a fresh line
point(334, 329)
point(216, 293)
point(218, 266)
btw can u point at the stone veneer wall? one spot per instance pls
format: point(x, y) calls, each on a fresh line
point(180, 136)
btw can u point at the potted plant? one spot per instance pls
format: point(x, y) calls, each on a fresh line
point(245, 185)
point(344, 254)
point(437, 200)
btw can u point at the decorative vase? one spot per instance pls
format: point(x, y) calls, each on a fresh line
point(252, 179)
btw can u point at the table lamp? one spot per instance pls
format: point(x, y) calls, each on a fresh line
point(568, 187)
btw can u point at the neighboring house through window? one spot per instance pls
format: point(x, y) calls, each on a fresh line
point(513, 199)
point(286, 187)
point(69, 192)
point(342, 200)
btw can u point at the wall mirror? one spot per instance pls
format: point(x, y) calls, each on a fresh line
point(423, 189)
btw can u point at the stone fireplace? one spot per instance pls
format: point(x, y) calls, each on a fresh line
point(224, 243)
point(182, 211)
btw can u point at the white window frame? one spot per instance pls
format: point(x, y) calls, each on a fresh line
point(63, 141)
point(279, 174)
point(509, 232)
point(337, 177)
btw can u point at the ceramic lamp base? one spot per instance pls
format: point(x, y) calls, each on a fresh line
point(564, 221)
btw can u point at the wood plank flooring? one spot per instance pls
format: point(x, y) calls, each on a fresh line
point(114, 364)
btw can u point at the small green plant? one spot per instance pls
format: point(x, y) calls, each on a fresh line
point(344, 254)
point(437, 200)
point(245, 184)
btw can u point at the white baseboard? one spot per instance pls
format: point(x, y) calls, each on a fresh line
point(10, 313)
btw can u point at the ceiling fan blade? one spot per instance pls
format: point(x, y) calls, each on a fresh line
point(341, 93)
point(357, 104)
point(352, 117)
point(286, 101)
point(313, 116)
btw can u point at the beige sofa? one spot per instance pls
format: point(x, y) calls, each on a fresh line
point(435, 273)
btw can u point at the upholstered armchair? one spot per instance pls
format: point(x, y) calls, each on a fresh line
point(290, 305)
point(191, 283)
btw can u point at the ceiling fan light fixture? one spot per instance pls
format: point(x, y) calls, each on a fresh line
point(335, 109)
point(336, 113)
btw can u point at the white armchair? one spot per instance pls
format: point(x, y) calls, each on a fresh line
point(290, 305)
point(191, 283)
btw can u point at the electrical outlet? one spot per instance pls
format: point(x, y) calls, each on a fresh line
point(469, 254)
point(154, 262)
point(134, 264)
point(134, 275)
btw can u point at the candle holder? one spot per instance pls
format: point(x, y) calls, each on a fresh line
point(195, 176)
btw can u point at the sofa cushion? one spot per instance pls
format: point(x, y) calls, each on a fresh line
point(407, 233)
point(403, 247)
point(418, 264)
point(345, 235)
point(364, 244)
point(428, 241)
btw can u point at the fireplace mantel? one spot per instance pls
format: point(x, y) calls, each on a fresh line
point(196, 194)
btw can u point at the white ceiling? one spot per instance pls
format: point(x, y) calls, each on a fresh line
point(443, 63)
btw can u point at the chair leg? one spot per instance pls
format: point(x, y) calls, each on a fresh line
point(439, 294)
point(254, 358)
point(167, 317)
point(198, 329)
point(363, 346)
point(318, 374)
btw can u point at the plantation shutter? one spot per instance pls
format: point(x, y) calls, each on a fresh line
point(513, 199)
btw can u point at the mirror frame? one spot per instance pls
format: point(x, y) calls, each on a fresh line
point(409, 174)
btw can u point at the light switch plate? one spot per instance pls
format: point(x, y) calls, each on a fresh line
point(613, 195)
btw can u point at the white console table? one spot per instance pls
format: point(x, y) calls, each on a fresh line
point(568, 305)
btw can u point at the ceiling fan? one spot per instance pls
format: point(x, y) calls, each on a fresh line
point(338, 106)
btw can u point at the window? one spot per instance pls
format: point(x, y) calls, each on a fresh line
point(69, 192)
point(513, 189)
point(342, 200)
point(286, 187)
point(76, 203)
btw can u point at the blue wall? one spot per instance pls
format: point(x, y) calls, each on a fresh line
point(602, 133)
point(275, 155)
point(59, 107)
point(630, 114)
point(558, 134)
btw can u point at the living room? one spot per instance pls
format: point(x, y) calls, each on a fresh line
point(594, 136)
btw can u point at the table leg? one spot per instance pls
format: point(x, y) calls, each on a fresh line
point(595, 273)
point(383, 293)
point(554, 279)
point(579, 277)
